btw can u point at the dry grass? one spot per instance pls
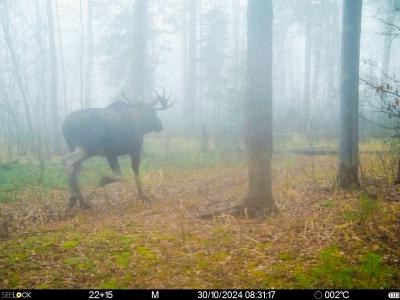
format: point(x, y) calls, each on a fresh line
point(322, 237)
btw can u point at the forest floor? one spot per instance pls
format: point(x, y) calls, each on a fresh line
point(323, 236)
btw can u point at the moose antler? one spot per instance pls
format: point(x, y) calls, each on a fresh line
point(126, 98)
point(165, 105)
point(163, 100)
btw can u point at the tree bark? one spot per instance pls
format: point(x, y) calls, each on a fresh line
point(350, 56)
point(89, 55)
point(190, 88)
point(61, 47)
point(387, 40)
point(236, 41)
point(184, 50)
point(140, 55)
point(258, 200)
point(15, 63)
point(56, 138)
point(307, 69)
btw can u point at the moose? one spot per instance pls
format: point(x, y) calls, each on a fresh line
point(115, 130)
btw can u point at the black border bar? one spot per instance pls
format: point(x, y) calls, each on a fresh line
point(196, 294)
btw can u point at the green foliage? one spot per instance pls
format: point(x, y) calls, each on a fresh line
point(368, 206)
point(333, 269)
point(337, 270)
point(374, 272)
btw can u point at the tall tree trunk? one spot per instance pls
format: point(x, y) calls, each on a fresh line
point(139, 72)
point(201, 107)
point(184, 50)
point(5, 18)
point(235, 37)
point(387, 40)
point(56, 139)
point(307, 69)
point(89, 55)
point(259, 201)
point(190, 89)
point(40, 110)
point(350, 57)
point(389, 14)
point(290, 65)
point(332, 57)
point(60, 46)
point(316, 80)
point(81, 58)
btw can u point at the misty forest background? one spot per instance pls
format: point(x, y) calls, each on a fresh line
point(278, 165)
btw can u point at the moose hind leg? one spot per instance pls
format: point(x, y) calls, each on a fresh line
point(73, 163)
point(82, 202)
point(114, 165)
point(135, 159)
point(73, 184)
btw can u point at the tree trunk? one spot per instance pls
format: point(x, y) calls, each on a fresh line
point(56, 140)
point(140, 56)
point(307, 70)
point(387, 40)
point(41, 110)
point(61, 47)
point(236, 41)
point(89, 55)
point(350, 56)
point(81, 58)
point(15, 63)
point(258, 201)
point(184, 52)
point(191, 83)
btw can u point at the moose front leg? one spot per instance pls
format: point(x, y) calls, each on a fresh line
point(135, 159)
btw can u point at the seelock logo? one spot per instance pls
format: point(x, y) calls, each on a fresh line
point(16, 295)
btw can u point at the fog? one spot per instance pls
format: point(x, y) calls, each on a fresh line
point(219, 51)
point(188, 119)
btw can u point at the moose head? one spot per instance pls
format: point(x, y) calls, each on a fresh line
point(148, 111)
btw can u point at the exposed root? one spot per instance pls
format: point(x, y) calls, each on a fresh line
point(233, 210)
point(243, 210)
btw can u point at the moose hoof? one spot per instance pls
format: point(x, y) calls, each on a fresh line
point(144, 198)
point(84, 205)
point(104, 181)
point(72, 202)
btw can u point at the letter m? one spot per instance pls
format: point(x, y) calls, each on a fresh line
point(155, 295)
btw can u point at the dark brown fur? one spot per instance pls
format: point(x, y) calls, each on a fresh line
point(115, 130)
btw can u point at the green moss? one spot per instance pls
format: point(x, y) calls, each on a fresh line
point(337, 270)
point(122, 259)
point(110, 284)
point(328, 203)
point(70, 244)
